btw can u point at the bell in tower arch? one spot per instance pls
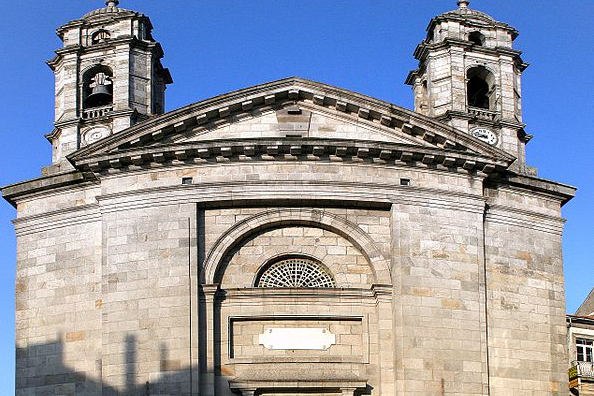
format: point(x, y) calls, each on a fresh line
point(101, 91)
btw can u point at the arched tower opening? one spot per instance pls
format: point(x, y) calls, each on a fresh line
point(480, 88)
point(477, 38)
point(98, 87)
point(100, 36)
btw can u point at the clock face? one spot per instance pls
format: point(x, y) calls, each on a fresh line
point(484, 134)
point(94, 134)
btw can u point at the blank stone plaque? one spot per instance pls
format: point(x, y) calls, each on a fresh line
point(299, 338)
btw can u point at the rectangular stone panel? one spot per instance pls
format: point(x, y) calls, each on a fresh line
point(324, 338)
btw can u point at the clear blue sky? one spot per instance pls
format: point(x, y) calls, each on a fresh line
point(215, 46)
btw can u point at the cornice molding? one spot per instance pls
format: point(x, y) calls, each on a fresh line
point(287, 149)
point(373, 292)
point(525, 220)
point(16, 191)
point(81, 50)
point(57, 219)
point(304, 193)
point(551, 189)
point(423, 49)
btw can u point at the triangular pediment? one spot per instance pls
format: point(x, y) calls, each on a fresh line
point(286, 112)
point(297, 119)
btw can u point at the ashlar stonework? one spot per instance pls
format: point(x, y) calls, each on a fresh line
point(141, 247)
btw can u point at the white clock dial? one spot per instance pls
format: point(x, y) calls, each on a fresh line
point(94, 134)
point(484, 134)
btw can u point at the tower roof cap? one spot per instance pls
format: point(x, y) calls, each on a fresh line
point(465, 12)
point(469, 16)
point(111, 7)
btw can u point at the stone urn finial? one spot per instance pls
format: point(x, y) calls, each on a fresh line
point(463, 3)
point(112, 3)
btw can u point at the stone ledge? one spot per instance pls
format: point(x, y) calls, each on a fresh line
point(292, 379)
point(12, 192)
point(254, 360)
point(257, 292)
point(561, 191)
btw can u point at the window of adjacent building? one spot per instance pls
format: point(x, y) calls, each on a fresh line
point(296, 272)
point(584, 349)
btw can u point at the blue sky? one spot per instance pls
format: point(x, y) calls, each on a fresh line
point(212, 47)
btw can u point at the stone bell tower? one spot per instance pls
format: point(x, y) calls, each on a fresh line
point(469, 76)
point(109, 77)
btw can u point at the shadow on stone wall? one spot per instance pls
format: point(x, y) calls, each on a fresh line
point(42, 370)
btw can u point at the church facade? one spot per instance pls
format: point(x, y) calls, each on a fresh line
point(290, 238)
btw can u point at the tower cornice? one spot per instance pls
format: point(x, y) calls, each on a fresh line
point(422, 52)
point(101, 19)
point(131, 40)
point(423, 49)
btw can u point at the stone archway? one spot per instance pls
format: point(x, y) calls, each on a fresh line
point(292, 217)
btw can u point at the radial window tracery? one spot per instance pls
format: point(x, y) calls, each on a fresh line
point(296, 272)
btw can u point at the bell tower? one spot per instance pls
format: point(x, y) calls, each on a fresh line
point(469, 76)
point(108, 77)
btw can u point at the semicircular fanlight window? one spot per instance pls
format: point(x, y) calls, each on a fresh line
point(296, 272)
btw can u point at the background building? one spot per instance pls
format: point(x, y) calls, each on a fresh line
point(587, 307)
point(291, 236)
point(580, 343)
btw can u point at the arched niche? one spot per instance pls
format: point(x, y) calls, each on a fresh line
point(249, 257)
point(283, 218)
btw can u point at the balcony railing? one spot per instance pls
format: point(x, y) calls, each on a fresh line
point(583, 369)
point(96, 112)
point(483, 114)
